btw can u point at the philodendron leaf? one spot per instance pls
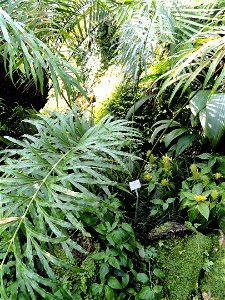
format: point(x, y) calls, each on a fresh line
point(215, 118)
point(198, 102)
point(204, 210)
point(211, 110)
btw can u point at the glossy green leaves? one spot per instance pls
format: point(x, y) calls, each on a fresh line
point(211, 111)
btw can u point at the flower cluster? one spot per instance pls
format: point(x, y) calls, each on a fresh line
point(199, 198)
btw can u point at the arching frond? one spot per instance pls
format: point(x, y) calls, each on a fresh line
point(149, 25)
point(20, 48)
point(68, 168)
point(207, 54)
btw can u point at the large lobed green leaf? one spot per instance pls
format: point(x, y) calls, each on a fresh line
point(211, 110)
point(70, 167)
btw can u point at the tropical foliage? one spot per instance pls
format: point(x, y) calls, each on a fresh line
point(69, 168)
point(70, 227)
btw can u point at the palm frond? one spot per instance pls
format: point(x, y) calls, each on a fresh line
point(207, 55)
point(20, 48)
point(149, 24)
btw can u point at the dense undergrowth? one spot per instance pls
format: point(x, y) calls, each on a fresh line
point(69, 224)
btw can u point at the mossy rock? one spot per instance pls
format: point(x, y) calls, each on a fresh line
point(182, 260)
point(213, 283)
point(167, 230)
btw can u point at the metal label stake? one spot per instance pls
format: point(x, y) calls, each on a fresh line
point(134, 186)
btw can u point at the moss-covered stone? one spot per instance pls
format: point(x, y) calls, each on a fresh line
point(182, 260)
point(213, 283)
point(167, 230)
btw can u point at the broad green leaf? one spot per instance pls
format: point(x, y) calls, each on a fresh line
point(193, 213)
point(146, 293)
point(198, 102)
point(173, 135)
point(109, 293)
point(125, 280)
point(188, 195)
point(215, 118)
point(123, 258)
point(197, 189)
point(113, 261)
point(114, 283)
point(127, 227)
point(94, 289)
point(131, 291)
point(159, 273)
point(162, 127)
point(103, 271)
point(204, 155)
point(203, 208)
point(183, 143)
point(99, 255)
point(142, 277)
point(157, 289)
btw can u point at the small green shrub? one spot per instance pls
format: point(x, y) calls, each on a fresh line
point(125, 270)
point(193, 191)
point(202, 193)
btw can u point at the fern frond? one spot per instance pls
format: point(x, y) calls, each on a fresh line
point(46, 185)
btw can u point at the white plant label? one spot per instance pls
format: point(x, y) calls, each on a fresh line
point(134, 185)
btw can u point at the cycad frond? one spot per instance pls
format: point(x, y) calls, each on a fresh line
point(46, 185)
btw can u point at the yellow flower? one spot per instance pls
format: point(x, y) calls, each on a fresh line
point(150, 157)
point(166, 163)
point(165, 182)
point(214, 194)
point(193, 168)
point(166, 159)
point(218, 175)
point(198, 198)
point(194, 171)
point(148, 176)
